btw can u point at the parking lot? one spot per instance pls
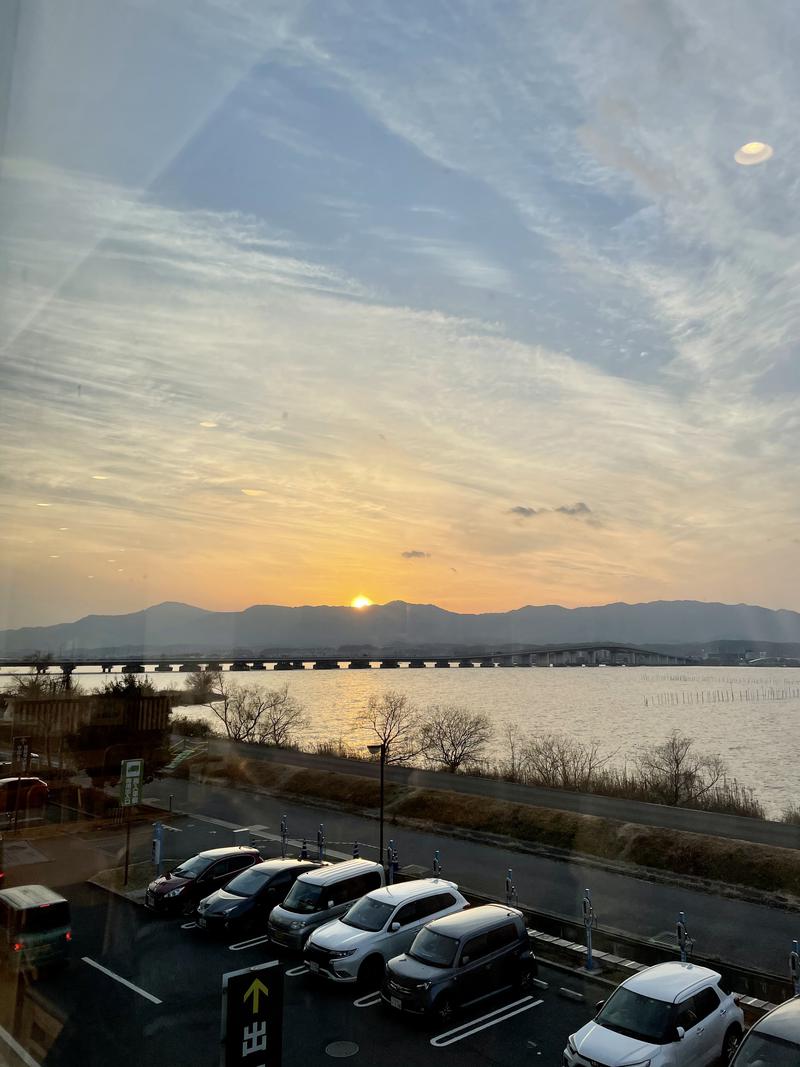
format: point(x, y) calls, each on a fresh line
point(141, 988)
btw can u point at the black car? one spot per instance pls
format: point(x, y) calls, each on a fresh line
point(178, 891)
point(461, 959)
point(246, 901)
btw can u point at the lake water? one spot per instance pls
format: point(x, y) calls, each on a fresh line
point(749, 716)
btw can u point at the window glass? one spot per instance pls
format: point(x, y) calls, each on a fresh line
point(636, 1016)
point(410, 912)
point(249, 882)
point(705, 1002)
point(436, 949)
point(502, 936)
point(687, 1015)
point(368, 914)
point(476, 948)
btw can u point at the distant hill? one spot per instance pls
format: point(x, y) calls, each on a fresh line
point(175, 628)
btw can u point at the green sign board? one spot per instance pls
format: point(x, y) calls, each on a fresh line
point(252, 1017)
point(131, 776)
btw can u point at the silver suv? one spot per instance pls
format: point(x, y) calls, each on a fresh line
point(773, 1041)
point(380, 925)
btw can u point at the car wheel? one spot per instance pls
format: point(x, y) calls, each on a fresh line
point(524, 978)
point(443, 1009)
point(370, 973)
point(730, 1044)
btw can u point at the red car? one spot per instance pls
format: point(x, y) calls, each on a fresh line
point(179, 891)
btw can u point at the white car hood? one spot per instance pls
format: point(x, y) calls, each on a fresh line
point(338, 936)
point(594, 1042)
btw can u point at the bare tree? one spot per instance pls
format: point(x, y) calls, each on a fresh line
point(257, 716)
point(393, 722)
point(452, 736)
point(560, 762)
point(676, 774)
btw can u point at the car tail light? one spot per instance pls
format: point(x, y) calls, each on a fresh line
point(68, 935)
point(18, 946)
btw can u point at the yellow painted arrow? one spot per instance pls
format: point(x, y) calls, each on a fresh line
point(255, 990)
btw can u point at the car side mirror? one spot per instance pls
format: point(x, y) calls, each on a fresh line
point(464, 960)
point(679, 1033)
point(331, 904)
point(599, 1005)
point(394, 928)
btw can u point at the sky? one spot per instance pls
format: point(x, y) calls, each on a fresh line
point(446, 302)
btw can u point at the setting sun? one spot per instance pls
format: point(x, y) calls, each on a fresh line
point(360, 601)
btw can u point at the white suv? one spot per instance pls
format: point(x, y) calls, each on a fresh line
point(377, 927)
point(671, 1015)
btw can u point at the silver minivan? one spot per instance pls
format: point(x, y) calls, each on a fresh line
point(319, 896)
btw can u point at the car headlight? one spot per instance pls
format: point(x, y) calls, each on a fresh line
point(175, 892)
point(295, 924)
point(571, 1044)
point(341, 955)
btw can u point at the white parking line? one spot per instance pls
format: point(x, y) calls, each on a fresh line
point(188, 926)
point(368, 1000)
point(121, 980)
point(17, 1049)
point(458, 1033)
point(240, 946)
point(295, 971)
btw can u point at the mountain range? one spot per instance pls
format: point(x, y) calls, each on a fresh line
point(181, 628)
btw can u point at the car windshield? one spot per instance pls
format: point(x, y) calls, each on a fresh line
point(636, 1016)
point(192, 868)
point(765, 1050)
point(305, 898)
point(249, 882)
point(433, 948)
point(368, 914)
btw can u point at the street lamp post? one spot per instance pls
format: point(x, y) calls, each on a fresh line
point(375, 750)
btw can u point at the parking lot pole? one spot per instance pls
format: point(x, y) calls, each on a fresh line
point(437, 864)
point(794, 967)
point(321, 842)
point(588, 923)
point(511, 889)
point(284, 836)
point(356, 851)
point(392, 862)
point(158, 835)
point(304, 850)
point(684, 941)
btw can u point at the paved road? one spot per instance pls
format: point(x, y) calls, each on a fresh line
point(698, 822)
point(746, 934)
point(106, 1022)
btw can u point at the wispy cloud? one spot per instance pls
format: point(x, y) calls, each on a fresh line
point(415, 553)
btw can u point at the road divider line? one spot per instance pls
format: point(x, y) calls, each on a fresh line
point(17, 1049)
point(368, 1000)
point(450, 1037)
point(240, 946)
point(121, 980)
point(295, 971)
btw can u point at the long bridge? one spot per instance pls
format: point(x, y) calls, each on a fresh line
point(579, 655)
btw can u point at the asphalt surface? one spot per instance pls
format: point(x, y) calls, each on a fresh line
point(751, 935)
point(108, 1023)
point(782, 835)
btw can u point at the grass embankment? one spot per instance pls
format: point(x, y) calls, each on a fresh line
point(736, 863)
point(139, 877)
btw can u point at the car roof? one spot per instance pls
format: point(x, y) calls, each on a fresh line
point(273, 866)
point(484, 917)
point(400, 892)
point(783, 1021)
point(228, 850)
point(335, 872)
point(667, 981)
point(30, 896)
